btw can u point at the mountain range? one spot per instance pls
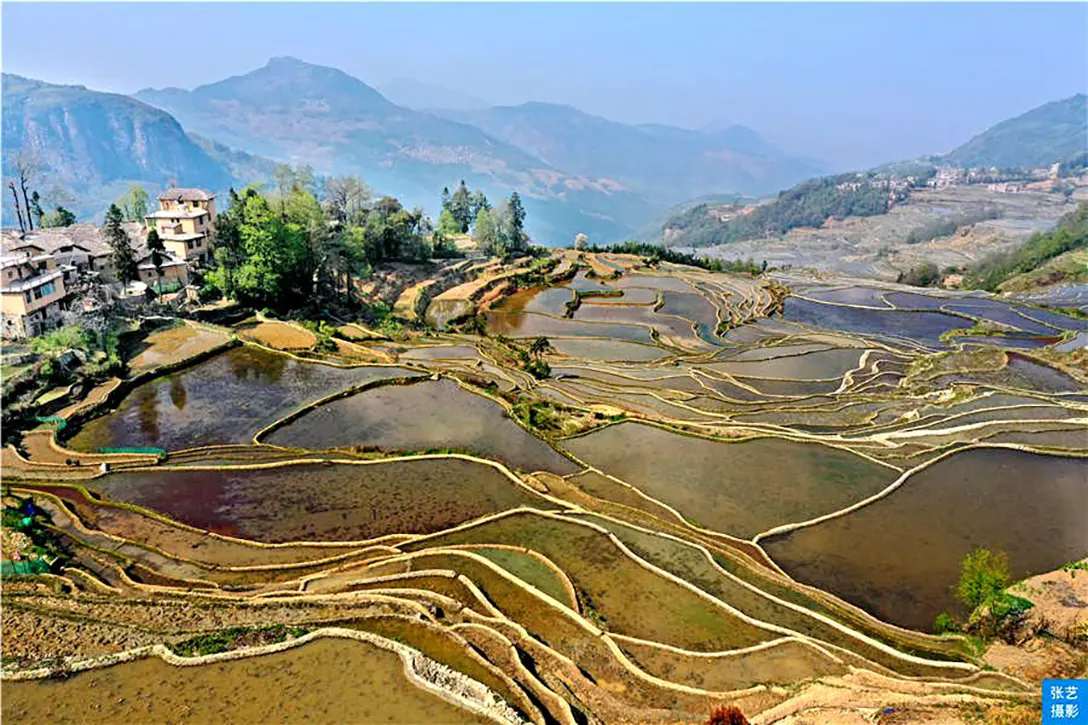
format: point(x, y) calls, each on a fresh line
point(576, 172)
point(230, 132)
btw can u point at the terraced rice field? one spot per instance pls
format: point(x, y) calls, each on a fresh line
point(226, 399)
point(720, 494)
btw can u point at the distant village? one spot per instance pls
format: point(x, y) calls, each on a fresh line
point(899, 186)
point(50, 274)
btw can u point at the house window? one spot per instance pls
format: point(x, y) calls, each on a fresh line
point(28, 297)
point(49, 288)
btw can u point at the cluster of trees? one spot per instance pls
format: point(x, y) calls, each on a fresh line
point(809, 204)
point(925, 274)
point(304, 241)
point(1071, 233)
point(947, 225)
point(654, 253)
point(30, 207)
point(496, 230)
point(134, 205)
point(461, 209)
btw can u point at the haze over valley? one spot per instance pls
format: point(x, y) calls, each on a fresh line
point(543, 363)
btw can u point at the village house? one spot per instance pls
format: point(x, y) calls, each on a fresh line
point(184, 222)
point(33, 291)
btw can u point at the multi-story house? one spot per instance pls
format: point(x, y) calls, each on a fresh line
point(184, 223)
point(33, 291)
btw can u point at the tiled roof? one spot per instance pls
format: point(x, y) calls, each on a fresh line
point(186, 195)
point(84, 235)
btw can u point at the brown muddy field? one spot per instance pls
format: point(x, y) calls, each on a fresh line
point(736, 488)
point(323, 502)
point(423, 416)
point(328, 681)
point(900, 557)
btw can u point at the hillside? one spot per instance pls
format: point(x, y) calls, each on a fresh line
point(294, 111)
point(1048, 134)
point(1042, 136)
point(94, 144)
point(808, 204)
point(1031, 265)
point(662, 162)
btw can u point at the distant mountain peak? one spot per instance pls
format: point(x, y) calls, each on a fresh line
point(286, 61)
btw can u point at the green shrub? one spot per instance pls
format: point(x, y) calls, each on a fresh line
point(69, 337)
point(539, 369)
point(944, 623)
point(984, 576)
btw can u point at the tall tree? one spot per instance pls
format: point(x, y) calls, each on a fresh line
point(346, 198)
point(134, 204)
point(580, 241)
point(284, 177)
point(513, 232)
point(447, 223)
point(479, 201)
point(461, 206)
point(27, 165)
point(59, 217)
point(36, 207)
point(227, 243)
point(485, 233)
point(157, 251)
point(124, 259)
point(18, 209)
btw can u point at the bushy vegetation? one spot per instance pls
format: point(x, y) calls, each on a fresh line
point(235, 638)
point(323, 333)
point(925, 274)
point(100, 344)
point(949, 224)
point(1071, 233)
point(985, 574)
point(809, 204)
point(982, 589)
point(24, 516)
point(282, 249)
point(654, 253)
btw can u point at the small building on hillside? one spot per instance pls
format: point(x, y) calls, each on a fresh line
point(33, 291)
point(184, 222)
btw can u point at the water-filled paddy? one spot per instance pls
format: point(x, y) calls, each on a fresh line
point(629, 296)
point(603, 576)
point(922, 327)
point(818, 365)
point(422, 416)
point(223, 400)
point(293, 686)
point(737, 488)
point(608, 350)
point(899, 557)
point(863, 296)
point(323, 502)
point(529, 324)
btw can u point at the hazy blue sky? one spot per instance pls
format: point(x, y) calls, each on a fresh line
point(851, 84)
